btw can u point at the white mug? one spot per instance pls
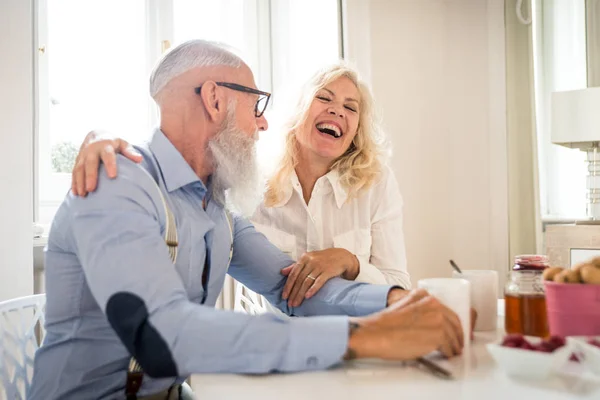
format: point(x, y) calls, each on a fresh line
point(454, 294)
point(484, 297)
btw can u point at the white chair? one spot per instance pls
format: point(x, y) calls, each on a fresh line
point(21, 332)
point(248, 301)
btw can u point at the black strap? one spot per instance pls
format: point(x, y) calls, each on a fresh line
point(205, 276)
point(134, 382)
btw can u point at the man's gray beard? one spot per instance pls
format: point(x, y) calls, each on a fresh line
point(235, 181)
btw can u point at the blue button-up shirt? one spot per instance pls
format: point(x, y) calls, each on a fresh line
point(113, 291)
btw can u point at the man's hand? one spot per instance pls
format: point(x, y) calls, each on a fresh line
point(413, 326)
point(313, 269)
point(473, 321)
point(395, 295)
point(96, 148)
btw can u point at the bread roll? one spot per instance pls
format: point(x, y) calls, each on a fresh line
point(590, 274)
point(577, 267)
point(595, 262)
point(550, 273)
point(568, 276)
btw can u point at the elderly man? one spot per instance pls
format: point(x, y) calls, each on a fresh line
point(116, 290)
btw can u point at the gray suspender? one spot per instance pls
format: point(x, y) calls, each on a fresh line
point(135, 373)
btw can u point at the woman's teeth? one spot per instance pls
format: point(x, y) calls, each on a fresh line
point(329, 129)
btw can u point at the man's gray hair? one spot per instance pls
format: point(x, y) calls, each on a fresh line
point(189, 55)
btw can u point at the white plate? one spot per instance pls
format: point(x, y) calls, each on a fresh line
point(528, 363)
point(591, 353)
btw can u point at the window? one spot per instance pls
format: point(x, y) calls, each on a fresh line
point(92, 70)
point(560, 64)
point(306, 38)
point(91, 77)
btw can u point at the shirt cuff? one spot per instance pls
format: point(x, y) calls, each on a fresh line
point(371, 298)
point(316, 343)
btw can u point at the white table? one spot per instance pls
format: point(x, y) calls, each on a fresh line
point(476, 378)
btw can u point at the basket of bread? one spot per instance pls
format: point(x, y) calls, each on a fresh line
point(573, 299)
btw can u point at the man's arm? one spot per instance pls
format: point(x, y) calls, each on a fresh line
point(116, 232)
point(257, 264)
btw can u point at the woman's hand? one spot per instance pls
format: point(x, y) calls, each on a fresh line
point(96, 147)
point(313, 269)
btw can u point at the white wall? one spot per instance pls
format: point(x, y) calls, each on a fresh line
point(437, 69)
point(16, 142)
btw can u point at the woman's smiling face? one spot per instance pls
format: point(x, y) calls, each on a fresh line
point(332, 120)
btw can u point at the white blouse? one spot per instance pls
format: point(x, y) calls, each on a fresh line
point(369, 226)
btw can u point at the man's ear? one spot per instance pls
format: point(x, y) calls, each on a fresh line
point(213, 100)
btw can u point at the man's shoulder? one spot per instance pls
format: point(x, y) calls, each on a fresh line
point(132, 188)
point(129, 174)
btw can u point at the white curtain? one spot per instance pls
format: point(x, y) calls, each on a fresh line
point(559, 38)
point(521, 134)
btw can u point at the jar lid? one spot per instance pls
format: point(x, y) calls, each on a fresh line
point(532, 257)
point(530, 262)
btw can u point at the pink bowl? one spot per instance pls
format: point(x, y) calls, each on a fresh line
point(573, 309)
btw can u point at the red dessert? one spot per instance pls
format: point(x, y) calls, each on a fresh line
point(547, 346)
point(594, 342)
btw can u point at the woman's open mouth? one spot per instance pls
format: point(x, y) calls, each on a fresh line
point(330, 129)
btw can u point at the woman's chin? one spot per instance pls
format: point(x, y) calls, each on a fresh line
point(324, 149)
point(328, 154)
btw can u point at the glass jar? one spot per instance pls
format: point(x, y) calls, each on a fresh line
point(525, 300)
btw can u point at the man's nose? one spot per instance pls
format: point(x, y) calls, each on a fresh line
point(262, 123)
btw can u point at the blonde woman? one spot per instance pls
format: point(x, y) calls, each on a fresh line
point(331, 204)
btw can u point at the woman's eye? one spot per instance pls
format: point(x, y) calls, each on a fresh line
point(350, 108)
point(323, 98)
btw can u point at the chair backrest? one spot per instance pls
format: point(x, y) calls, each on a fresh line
point(248, 301)
point(21, 333)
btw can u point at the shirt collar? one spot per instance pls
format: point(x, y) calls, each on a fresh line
point(333, 177)
point(340, 193)
point(288, 190)
point(176, 172)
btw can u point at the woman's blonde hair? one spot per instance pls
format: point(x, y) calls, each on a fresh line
point(360, 164)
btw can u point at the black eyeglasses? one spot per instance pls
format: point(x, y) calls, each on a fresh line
point(261, 103)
